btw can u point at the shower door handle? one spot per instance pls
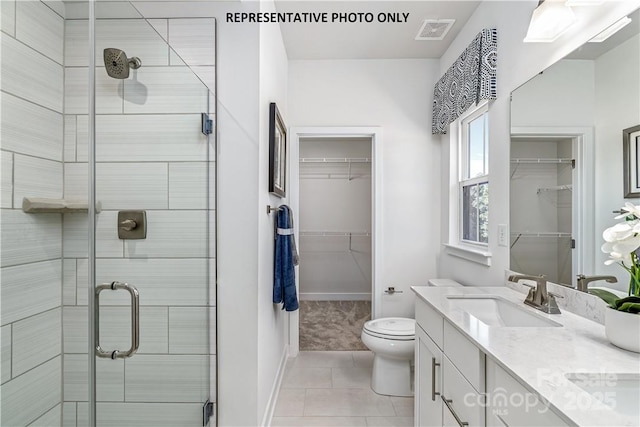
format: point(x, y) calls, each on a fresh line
point(135, 320)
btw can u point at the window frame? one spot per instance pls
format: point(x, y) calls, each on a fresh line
point(463, 181)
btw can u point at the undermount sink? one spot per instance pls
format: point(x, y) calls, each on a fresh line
point(493, 310)
point(621, 392)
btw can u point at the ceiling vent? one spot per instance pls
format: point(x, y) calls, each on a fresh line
point(434, 29)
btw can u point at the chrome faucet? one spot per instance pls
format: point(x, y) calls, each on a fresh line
point(583, 281)
point(538, 296)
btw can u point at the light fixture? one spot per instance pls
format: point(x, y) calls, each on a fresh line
point(549, 20)
point(608, 32)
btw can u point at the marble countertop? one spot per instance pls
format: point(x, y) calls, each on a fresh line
point(541, 356)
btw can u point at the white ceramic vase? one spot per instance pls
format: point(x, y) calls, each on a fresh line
point(623, 329)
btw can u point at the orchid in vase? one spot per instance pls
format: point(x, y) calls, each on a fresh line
point(622, 243)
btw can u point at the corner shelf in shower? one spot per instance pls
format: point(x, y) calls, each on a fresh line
point(45, 205)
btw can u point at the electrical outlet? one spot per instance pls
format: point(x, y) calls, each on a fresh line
point(502, 235)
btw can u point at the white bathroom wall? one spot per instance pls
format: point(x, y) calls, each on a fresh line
point(395, 95)
point(151, 155)
point(31, 257)
point(335, 197)
point(517, 63)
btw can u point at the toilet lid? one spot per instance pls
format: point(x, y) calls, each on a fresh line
point(392, 326)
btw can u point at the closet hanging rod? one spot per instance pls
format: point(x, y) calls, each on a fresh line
point(308, 233)
point(335, 160)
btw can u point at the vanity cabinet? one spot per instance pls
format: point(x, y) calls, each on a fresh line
point(511, 404)
point(457, 385)
point(449, 371)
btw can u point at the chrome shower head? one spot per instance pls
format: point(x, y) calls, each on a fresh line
point(117, 64)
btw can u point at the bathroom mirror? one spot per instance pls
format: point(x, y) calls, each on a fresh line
point(567, 157)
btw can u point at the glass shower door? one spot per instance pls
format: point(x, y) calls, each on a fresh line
point(153, 223)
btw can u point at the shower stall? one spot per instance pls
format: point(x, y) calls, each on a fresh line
point(107, 216)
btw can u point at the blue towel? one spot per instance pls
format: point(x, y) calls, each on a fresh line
point(284, 275)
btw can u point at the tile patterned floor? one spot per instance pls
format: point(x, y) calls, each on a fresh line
point(333, 389)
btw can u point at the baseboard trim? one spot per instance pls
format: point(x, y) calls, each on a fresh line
point(275, 391)
point(328, 296)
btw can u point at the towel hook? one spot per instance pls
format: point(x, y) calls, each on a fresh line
point(271, 209)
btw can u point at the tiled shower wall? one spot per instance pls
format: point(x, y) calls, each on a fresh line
point(151, 155)
point(31, 260)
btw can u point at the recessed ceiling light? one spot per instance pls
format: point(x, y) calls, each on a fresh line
point(611, 30)
point(434, 29)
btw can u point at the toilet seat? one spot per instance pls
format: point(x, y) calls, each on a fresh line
point(391, 328)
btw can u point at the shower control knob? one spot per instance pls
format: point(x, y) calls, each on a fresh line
point(128, 224)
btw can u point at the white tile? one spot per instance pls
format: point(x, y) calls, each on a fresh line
point(50, 418)
point(34, 177)
point(168, 90)
point(75, 235)
point(115, 329)
point(175, 60)
point(212, 234)
point(403, 406)
point(28, 128)
point(8, 22)
point(363, 358)
point(290, 403)
point(188, 185)
point(27, 397)
point(121, 185)
point(41, 28)
point(6, 196)
point(69, 282)
point(69, 414)
point(213, 344)
point(167, 378)
point(351, 377)
point(194, 39)
point(57, 6)
point(30, 289)
point(323, 359)
point(207, 74)
point(319, 421)
point(109, 378)
point(76, 95)
point(5, 354)
point(161, 26)
point(70, 131)
point(145, 138)
point(390, 421)
point(144, 414)
point(171, 234)
point(36, 340)
point(134, 36)
point(174, 282)
point(31, 75)
point(30, 238)
point(302, 378)
point(189, 330)
point(350, 402)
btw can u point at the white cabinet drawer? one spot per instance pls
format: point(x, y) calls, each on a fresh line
point(510, 404)
point(465, 355)
point(462, 399)
point(429, 320)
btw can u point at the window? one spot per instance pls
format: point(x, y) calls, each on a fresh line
point(473, 184)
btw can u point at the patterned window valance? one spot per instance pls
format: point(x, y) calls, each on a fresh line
point(470, 79)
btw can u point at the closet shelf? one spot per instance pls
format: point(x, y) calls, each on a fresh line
point(556, 188)
point(335, 160)
point(541, 161)
point(45, 205)
point(539, 234)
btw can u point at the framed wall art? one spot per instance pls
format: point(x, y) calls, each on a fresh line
point(631, 146)
point(277, 152)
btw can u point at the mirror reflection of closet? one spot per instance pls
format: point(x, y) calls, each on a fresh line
point(574, 110)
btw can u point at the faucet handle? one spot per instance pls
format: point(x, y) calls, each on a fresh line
point(555, 295)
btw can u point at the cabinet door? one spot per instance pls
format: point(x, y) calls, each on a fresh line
point(428, 381)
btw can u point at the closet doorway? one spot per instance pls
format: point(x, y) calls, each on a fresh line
point(334, 194)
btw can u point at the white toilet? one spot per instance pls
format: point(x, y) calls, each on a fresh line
point(391, 339)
